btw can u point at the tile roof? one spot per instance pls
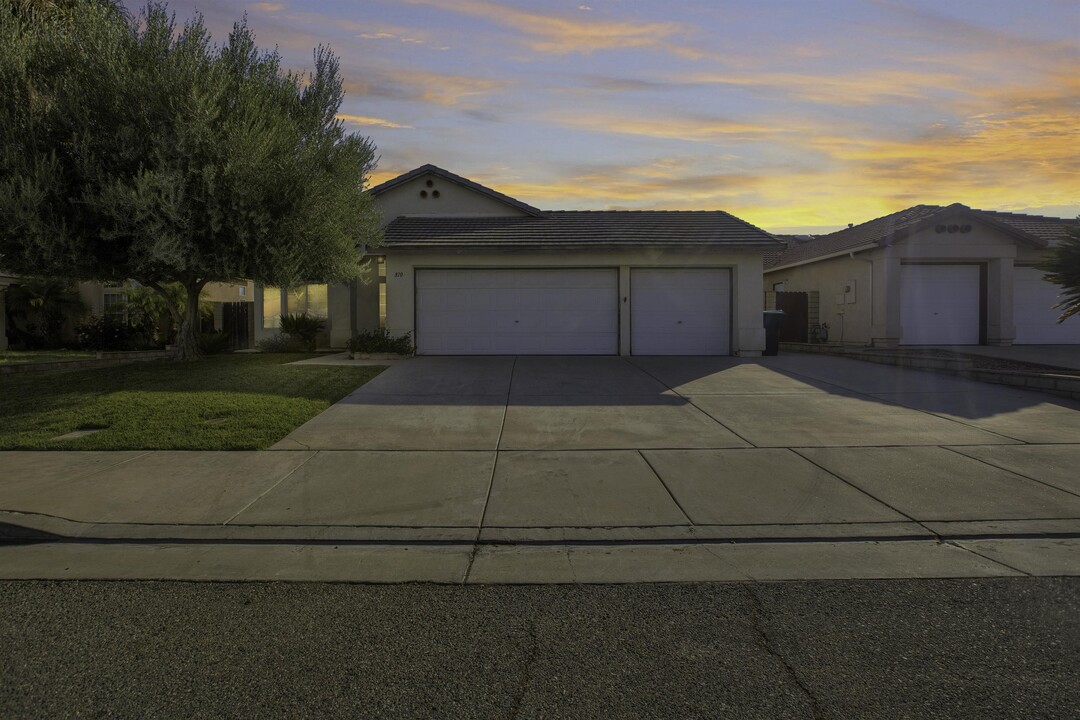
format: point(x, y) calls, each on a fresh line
point(568, 229)
point(1050, 229)
point(452, 177)
point(1036, 229)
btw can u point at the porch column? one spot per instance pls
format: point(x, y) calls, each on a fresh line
point(1000, 329)
point(748, 301)
point(886, 330)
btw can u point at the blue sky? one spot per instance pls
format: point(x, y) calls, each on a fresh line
point(793, 114)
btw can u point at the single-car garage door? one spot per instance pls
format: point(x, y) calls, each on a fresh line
point(680, 311)
point(939, 304)
point(1034, 315)
point(517, 311)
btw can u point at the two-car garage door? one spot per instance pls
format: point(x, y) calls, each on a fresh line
point(571, 311)
point(517, 311)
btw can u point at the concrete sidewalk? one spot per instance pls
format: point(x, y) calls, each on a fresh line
point(595, 516)
point(588, 469)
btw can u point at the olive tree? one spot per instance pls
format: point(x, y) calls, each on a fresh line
point(131, 148)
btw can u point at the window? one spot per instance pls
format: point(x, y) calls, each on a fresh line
point(382, 305)
point(243, 290)
point(271, 308)
point(114, 304)
point(308, 299)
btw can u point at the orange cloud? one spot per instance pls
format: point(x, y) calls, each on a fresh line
point(864, 88)
point(436, 88)
point(267, 7)
point(563, 35)
point(702, 129)
point(364, 120)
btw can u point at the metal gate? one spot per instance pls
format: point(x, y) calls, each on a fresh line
point(796, 306)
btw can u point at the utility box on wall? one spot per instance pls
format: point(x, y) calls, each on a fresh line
point(846, 296)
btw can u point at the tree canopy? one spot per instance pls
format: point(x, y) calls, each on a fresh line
point(136, 149)
point(1062, 266)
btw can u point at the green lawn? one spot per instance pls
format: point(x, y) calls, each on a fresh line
point(229, 402)
point(22, 357)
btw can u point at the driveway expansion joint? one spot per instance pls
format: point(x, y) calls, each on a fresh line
point(986, 462)
point(844, 480)
point(265, 492)
point(986, 557)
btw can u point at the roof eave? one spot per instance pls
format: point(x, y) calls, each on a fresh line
point(872, 245)
point(752, 246)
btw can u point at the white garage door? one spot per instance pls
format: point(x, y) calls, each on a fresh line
point(517, 311)
point(939, 304)
point(680, 311)
point(1033, 311)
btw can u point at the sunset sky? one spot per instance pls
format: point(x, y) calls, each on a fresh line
point(796, 115)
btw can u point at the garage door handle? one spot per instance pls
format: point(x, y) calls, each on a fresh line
point(520, 321)
point(679, 322)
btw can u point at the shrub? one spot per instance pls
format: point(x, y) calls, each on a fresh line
point(215, 343)
point(381, 341)
point(280, 344)
point(303, 326)
point(108, 332)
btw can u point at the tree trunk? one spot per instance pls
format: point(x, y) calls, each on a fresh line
point(187, 336)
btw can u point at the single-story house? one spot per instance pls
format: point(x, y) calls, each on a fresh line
point(471, 271)
point(930, 275)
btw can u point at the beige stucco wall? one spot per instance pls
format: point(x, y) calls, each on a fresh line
point(849, 315)
point(228, 292)
point(453, 199)
point(748, 337)
point(874, 318)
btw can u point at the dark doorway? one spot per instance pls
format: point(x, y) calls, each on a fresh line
point(236, 318)
point(796, 306)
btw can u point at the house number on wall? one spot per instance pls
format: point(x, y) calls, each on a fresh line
point(399, 274)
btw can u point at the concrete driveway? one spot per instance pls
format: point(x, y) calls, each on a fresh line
point(534, 446)
point(501, 455)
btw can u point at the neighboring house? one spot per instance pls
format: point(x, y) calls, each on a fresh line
point(931, 275)
point(471, 271)
point(105, 299)
point(102, 299)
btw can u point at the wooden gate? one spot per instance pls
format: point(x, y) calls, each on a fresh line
point(796, 307)
point(236, 321)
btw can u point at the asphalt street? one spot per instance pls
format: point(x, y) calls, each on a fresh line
point(993, 648)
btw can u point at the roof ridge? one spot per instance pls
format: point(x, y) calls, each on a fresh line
point(453, 177)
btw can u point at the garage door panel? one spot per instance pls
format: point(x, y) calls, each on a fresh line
point(939, 304)
point(1034, 315)
point(680, 311)
point(517, 311)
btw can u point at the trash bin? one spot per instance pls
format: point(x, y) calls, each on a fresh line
point(773, 320)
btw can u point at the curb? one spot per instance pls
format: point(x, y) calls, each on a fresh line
point(21, 528)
